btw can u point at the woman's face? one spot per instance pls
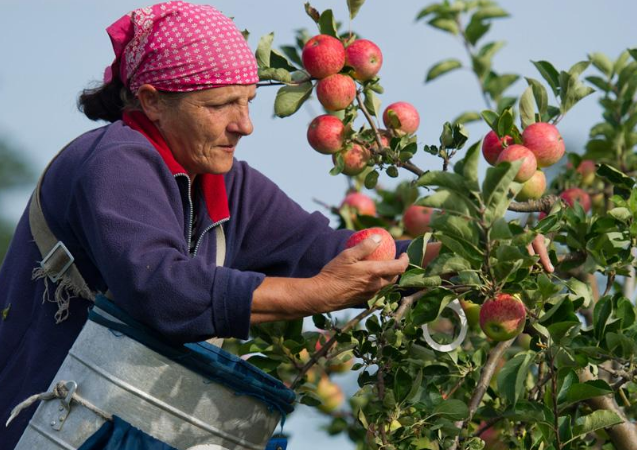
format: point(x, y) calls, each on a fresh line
point(203, 128)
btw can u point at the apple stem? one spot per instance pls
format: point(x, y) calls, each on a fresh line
point(407, 165)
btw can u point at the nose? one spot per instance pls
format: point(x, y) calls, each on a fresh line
point(242, 124)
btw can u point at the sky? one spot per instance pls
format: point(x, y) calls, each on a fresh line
point(52, 50)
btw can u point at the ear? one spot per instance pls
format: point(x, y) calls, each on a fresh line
point(150, 102)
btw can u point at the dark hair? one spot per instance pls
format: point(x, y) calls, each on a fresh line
point(106, 102)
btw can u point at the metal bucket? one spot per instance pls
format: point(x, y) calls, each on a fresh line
point(168, 401)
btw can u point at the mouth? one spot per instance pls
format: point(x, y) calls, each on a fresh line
point(227, 148)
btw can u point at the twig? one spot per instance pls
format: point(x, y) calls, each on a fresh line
point(609, 282)
point(495, 356)
point(407, 165)
point(543, 204)
point(405, 304)
point(325, 348)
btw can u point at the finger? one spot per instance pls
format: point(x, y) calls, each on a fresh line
point(389, 269)
point(363, 249)
point(530, 249)
point(540, 247)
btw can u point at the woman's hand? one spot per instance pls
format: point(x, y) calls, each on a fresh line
point(347, 280)
point(538, 247)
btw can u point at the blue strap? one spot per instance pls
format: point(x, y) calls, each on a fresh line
point(120, 435)
point(277, 443)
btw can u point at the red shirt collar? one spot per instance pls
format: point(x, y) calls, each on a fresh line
point(212, 185)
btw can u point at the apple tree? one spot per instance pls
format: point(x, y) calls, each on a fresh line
point(548, 361)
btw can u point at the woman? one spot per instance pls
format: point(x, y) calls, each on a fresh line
point(137, 203)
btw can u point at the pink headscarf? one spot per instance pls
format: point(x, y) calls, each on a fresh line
point(179, 47)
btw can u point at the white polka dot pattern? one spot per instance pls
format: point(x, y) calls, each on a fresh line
point(181, 47)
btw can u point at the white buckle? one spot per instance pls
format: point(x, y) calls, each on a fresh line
point(54, 278)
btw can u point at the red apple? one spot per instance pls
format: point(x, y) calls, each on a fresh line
point(407, 115)
point(385, 251)
point(336, 92)
point(492, 146)
point(355, 158)
point(503, 317)
point(533, 188)
point(515, 152)
point(365, 58)
point(587, 169)
point(361, 203)
point(545, 142)
point(330, 394)
point(416, 219)
point(325, 134)
point(323, 55)
point(570, 196)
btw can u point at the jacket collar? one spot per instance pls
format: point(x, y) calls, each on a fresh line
point(212, 185)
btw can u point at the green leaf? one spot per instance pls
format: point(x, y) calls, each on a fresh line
point(600, 83)
point(444, 24)
point(448, 180)
point(469, 167)
point(448, 263)
point(417, 249)
point(292, 53)
point(371, 179)
point(416, 278)
point(327, 24)
point(615, 176)
point(281, 75)
point(579, 67)
point(595, 421)
point(443, 67)
point(392, 171)
point(540, 95)
point(449, 201)
point(583, 391)
point(497, 84)
point(527, 108)
point(476, 29)
point(469, 116)
point(354, 6)
point(602, 62)
point(452, 408)
point(263, 50)
point(279, 61)
point(505, 123)
point(511, 378)
point(372, 102)
point(580, 290)
point(633, 53)
point(339, 165)
point(496, 188)
point(549, 73)
point(491, 118)
point(490, 12)
point(601, 313)
point(290, 98)
point(565, 384)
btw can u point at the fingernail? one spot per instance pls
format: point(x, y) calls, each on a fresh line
point(376, 238)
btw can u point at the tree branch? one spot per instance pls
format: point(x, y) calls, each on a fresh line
point(495, 356)
point(325, 348)
point(543, 204)
point(624, 435)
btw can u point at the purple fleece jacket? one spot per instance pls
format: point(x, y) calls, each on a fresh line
point(114, 203)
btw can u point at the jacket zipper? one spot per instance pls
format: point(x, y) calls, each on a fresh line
point(210, 227)
point(191, 211)
point(190, 219)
